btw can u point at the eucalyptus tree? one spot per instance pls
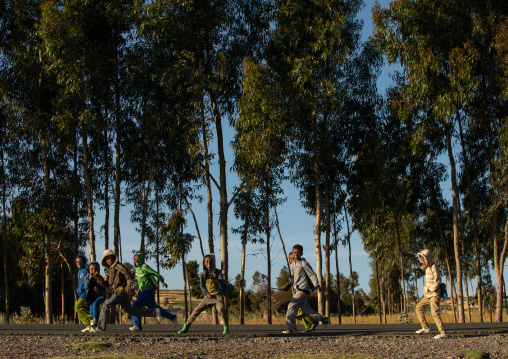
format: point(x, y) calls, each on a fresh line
point(210, 39)
point(501, 176)
point(260, 151)
point(450, 73)
point(177, 245)
point(28, 92)
point(311, 41)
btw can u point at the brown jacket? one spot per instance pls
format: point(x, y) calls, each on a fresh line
point(117, 276)
point(432, 276)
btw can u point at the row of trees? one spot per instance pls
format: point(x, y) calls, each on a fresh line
point(111, 102)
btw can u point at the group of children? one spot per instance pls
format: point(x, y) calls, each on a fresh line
point(92, 293)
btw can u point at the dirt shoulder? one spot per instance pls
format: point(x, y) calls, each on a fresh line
point(157, 346)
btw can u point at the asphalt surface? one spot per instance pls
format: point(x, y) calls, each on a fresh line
point(257, 330)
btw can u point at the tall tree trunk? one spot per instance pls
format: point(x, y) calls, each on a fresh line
point(209, 200)
point(4, 238)
point(189, 207)
point(144, 197)
point(62, 291)
point(339, 309)
point(118, 159)
point(48, 271)
point(474, 216)
point(378, 291)
point(456, 240)
point(401, 256)
point(223, 191)
point(74, 273)
point(205, 149)
point(317, 227)
point(242, 282)
point(89, 199)
point(350, 266)
point(244, 245)
point(184, 270)
point(106, 189)
point(268, 259)
point(327, 243)
point(463, 250)
point(499, 247)
point(157, 254)
point(336, 243)
point(383, 289)
point(278, 229)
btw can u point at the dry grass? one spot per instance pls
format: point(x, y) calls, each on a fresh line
point(173, 300)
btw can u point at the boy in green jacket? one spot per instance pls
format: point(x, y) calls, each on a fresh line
point(146, 294)
point(119, 280)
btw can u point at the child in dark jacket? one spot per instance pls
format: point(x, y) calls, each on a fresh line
point(213, 287)
point(146, 294)
point(119, 280)
point(88, 311)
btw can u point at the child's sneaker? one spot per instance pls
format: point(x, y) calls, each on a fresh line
point(423, 331)
point(325, 322)
point(312, 328)
point(175, 321)
point(87, 329)
point(441, 336)
point(134, 329)
point(184, 329)
point(289, 331)
point(158, 314)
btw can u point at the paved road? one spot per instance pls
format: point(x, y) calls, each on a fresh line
point(468, 329)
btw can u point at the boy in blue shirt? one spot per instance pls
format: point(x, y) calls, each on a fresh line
point(81, 264)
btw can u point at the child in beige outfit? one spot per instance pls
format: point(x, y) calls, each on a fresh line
point(431, 295)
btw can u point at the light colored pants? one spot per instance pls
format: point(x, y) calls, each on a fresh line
point(217, 300)
point(300, 301)
point(434, 308)
point(121, 298)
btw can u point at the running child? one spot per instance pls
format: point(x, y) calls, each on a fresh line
point(307, 321)
point(431, 295)
point(146, 294)
point(213, 287)
point(95, 295)
point(81, 264)
point(119, 280)
point(301, 274)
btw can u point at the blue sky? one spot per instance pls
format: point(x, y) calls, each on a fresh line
point(297, 227)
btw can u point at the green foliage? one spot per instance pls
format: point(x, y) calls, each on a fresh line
point(192, 271)
point(176, 243)
point(283, 278)
point(26, 316)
